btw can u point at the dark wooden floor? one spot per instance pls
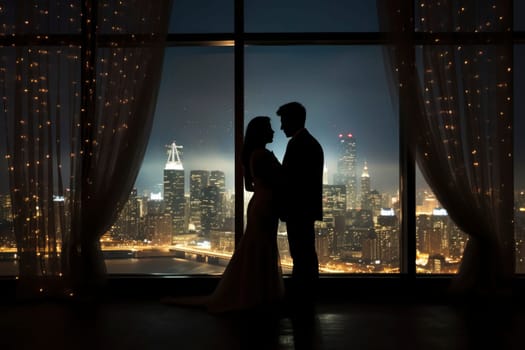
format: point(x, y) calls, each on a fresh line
point(147, 324)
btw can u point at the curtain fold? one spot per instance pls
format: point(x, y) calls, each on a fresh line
point(76, 141)
point(127, 80)
point(462, 111)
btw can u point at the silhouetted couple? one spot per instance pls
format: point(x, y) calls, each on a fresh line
point(291, 192)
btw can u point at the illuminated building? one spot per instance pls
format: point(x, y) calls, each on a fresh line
point(438, 243)
point(334, 203)
point(365, 189)
point(347, 168)
point(198, 181)
point(376, 202)
point(7, 236)
point(380, 246)
point(387, 217)
point(323, 246)
point(210, 215)
point(387, 231)
point(218, 180)
point(427, 203)
point(334, 211)
point(5, 208)
point(158, 223)
point(423, 232)
point(208, 202)
point(438, 235)
point(174, 190)
point(358, 225)
point(370, 250)
point(126, 227)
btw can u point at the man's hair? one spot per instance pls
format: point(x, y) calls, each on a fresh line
point(293, 110)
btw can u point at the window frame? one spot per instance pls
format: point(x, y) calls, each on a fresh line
point(239, 39)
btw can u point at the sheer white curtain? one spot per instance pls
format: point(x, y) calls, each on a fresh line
point(78, 114)
point(461, 110)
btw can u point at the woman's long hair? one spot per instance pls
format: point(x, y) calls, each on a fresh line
point(255, 137)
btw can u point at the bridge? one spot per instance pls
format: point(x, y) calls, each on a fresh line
point(180, 251)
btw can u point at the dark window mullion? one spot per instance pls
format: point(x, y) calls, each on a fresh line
point(407, 164)
point(239, 117)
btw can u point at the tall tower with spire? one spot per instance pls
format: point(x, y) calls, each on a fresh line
point(347, 168)
point(174, 189)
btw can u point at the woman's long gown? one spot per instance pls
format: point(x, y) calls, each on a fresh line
point(253, 277)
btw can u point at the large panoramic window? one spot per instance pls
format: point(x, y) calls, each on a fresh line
point(182, 207)
point(345, 93)
point(182, 214)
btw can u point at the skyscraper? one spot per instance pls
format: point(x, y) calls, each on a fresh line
point(218, 180)
point(5, 208)
point(158, 223)
point(347, 168)
point(7, 234)
point(210, 217)
point(198, 182)
point(365, 189)
point(334, 211)
point(174, 189)
point(126, 227)
point(334, 199)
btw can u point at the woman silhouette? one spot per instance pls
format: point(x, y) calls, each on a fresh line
point(253, 277)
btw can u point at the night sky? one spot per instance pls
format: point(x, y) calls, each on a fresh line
point(343, 89)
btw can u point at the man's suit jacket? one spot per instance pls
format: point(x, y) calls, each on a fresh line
point(303, 163)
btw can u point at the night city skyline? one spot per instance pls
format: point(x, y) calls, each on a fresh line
point(198, 112)
point(346, 82)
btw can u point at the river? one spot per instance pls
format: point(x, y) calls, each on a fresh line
point(162, 265)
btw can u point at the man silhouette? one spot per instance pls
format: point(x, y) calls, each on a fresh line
point(302, 166)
